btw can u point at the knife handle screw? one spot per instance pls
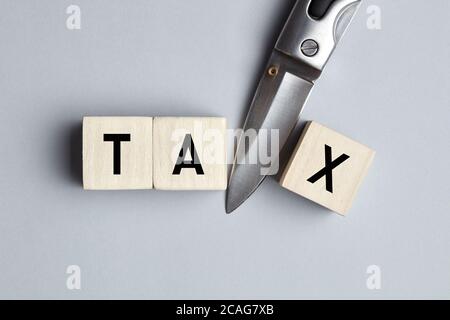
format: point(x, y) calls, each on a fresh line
point(273, 71)
point(309, 48)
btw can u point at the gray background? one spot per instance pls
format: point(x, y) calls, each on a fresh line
point(388, 89)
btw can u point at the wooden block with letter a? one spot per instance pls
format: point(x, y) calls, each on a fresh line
point(117, 153)
point(189, 153)
point(327, 167)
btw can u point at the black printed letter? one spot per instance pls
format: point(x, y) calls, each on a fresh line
point(327, 171)
point(117, 139)
point(193, 163)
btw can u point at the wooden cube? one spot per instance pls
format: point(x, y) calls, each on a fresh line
point(327, 167)
point(117, 153)
point(189, 153)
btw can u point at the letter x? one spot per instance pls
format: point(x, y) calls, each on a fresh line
point(327, 171)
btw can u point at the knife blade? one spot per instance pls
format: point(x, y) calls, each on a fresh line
point(301, 52)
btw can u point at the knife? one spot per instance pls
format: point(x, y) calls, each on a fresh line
point(301, 52)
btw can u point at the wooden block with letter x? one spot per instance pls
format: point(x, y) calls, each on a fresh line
point(117, 153)
point(327, 167)
point(189, 153)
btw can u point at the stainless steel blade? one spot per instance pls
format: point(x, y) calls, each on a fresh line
point(278, 102)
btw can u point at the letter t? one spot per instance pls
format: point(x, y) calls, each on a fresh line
point(116, 139)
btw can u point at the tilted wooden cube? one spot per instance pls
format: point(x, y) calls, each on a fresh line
point(189, 153)
point(117, 153)
point(327, 167)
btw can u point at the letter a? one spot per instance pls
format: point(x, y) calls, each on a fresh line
point(194, 163)
point(73, 21)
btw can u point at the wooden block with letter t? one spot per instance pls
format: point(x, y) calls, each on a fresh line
point(327, 167)
point(189, 153)
point(117, 153)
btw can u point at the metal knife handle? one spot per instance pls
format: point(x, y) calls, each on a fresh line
point(313, 40)
point(318, 8)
